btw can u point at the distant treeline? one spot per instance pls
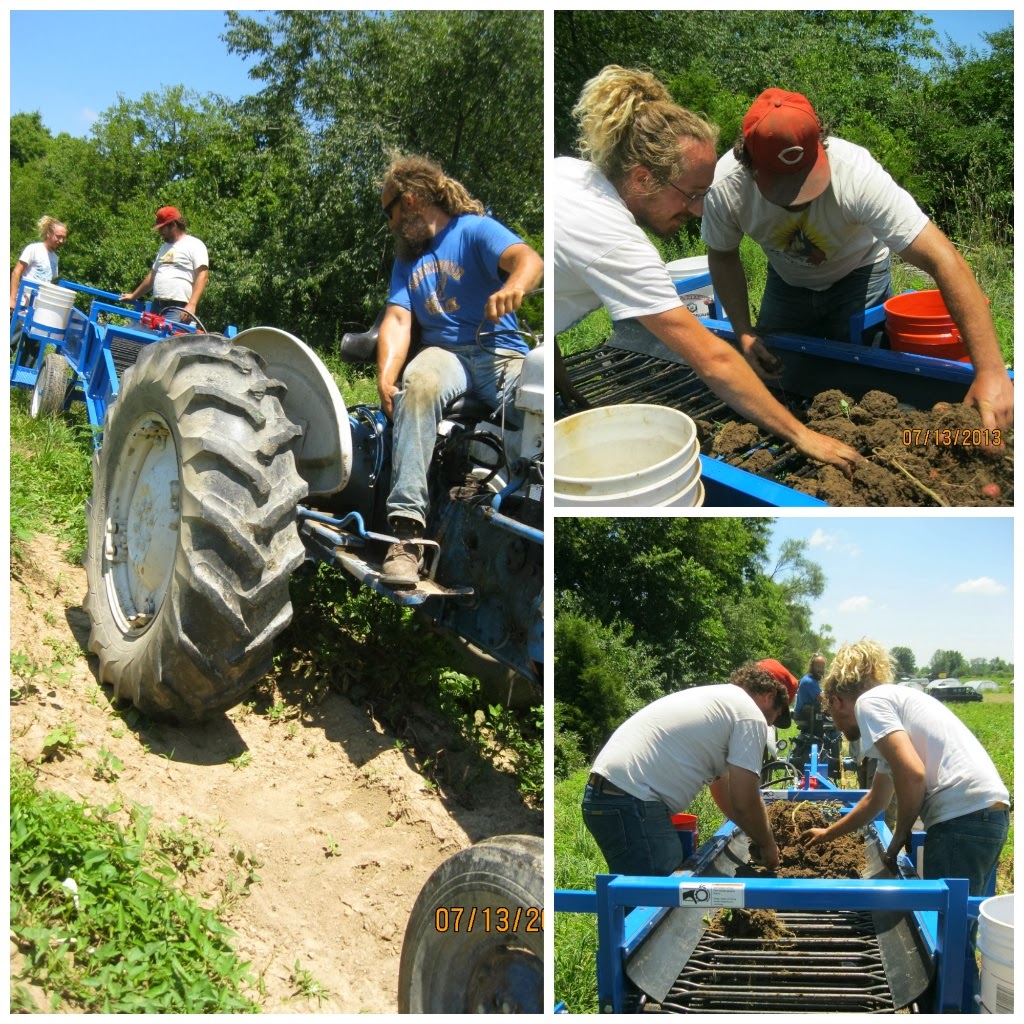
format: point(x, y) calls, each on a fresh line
point(940, 120)
point(282, 186)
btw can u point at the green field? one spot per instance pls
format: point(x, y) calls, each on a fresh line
point(578, 860)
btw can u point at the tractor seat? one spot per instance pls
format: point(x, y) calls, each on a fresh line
point(466, 407)
point(361, 347)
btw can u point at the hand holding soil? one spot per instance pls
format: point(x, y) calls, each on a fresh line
point(813, 836)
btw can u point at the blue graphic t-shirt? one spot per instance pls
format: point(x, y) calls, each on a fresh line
point(447, 288)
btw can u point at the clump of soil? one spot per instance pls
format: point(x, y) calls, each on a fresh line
point(840, 858)
point(743, 923)
point(911, 457)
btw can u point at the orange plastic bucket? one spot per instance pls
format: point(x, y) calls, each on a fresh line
point(686, 826)
point(919, 322)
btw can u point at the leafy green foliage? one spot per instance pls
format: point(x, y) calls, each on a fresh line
point(282, 186)
point(940, 120)
point(947, 663)
point(99, 921)
point(904, 661)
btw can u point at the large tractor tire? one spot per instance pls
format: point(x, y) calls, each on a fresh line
point(475, 940)
point(51, 388)
point(192, 529)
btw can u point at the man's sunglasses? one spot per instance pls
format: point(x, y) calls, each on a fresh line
point(387, 209)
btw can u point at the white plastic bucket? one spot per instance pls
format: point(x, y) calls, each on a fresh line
point(697, 300)
point(633, 455)
point(53, 305)
point(995, 943)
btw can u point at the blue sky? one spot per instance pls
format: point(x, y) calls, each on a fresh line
point(920, 582)
point(94, 55)
point(91, 56)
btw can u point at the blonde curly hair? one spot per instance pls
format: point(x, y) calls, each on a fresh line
point(628, 119)
point(420, 177)
point(856, 668)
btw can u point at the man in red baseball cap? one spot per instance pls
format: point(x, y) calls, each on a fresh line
point(180, 271)
point(828, 216)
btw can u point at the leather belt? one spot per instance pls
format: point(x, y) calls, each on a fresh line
point(599, 784)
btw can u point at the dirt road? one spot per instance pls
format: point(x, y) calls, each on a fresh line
point(327, 810)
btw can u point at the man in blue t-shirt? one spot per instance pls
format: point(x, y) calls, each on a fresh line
point(461, 276)
point(809, 689)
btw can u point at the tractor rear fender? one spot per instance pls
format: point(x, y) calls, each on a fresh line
point(313, 402)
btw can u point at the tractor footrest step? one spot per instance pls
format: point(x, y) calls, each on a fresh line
point(368, 571)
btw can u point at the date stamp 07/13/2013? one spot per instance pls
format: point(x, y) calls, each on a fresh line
point(489, 919)
point(947, 437)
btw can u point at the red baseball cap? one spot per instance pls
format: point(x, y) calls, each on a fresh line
point(781, 134)
point(781, 675)
point(166, 215)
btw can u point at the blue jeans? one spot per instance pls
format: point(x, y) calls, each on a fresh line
point(637, 837)
point(967, 847)
point(786, 309)
point(435, 377)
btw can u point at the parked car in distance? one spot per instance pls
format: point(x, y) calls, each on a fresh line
point(953, 690)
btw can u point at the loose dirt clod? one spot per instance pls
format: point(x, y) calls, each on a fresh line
point(842, 858)
point(912, 457)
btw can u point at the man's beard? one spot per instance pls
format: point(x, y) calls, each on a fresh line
point(412, 236)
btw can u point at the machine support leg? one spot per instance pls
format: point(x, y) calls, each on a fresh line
point(950, 992)
point(611, 932)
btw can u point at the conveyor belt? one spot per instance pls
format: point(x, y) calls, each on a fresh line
point(832, 963)
point(836, 961)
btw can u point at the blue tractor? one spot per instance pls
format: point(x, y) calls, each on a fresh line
point(226, 462)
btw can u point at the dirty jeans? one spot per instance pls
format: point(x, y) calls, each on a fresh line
point(435, 377)
point(636, 836)
point(967, 847)
point(786, 309)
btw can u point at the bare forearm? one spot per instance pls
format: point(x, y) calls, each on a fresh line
point(199, 286)
point(730, 284)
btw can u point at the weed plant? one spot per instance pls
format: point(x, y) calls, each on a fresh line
point(101, 926)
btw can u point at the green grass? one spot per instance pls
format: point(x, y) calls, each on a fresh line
point(103, 929)
point(51, 474)
point(578, 860)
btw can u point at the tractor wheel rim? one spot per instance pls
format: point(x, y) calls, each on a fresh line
point(37, 395)
point(506, 980)
point(144, 516)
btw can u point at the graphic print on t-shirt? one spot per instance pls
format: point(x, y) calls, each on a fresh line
point(800, 242)
point(437, 302)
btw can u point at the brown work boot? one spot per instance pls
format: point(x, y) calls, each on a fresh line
point(401, 566)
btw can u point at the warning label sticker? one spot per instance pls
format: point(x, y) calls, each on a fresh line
point(711, 894)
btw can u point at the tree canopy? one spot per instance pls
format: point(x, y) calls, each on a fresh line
point(282, 186)
point(940, 121)
point(646, 606)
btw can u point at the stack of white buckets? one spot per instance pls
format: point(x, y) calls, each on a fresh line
point(52, 307)
point(633, 455)
point(995, 943)
point(628, 455)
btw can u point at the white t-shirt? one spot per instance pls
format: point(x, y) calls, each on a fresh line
point(41, 263)
point(602, 256)
point(959, 775)
point(677, 744)
point(175, 267)
point(853, 223)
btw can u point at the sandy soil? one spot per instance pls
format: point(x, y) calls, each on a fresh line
point(327, 809)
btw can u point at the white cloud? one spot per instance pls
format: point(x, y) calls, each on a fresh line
point(982, 585)
point(822, 539)
point(856, 604)
point(89, 116)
